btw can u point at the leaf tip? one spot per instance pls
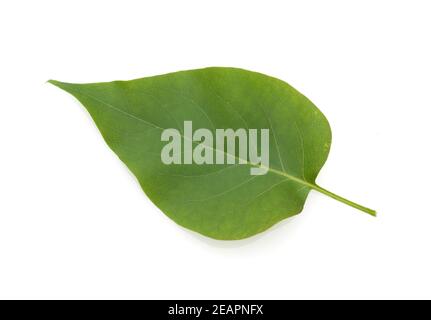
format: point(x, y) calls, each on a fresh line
point(54, 82)
point(62, 85)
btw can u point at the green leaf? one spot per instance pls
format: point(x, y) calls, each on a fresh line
point(221, 201)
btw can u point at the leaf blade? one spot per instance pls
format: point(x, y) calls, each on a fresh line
point(129, 113)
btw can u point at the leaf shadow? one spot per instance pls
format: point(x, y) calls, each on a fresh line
point(268, 237)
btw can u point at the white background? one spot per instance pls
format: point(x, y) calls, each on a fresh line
point(74, 222)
